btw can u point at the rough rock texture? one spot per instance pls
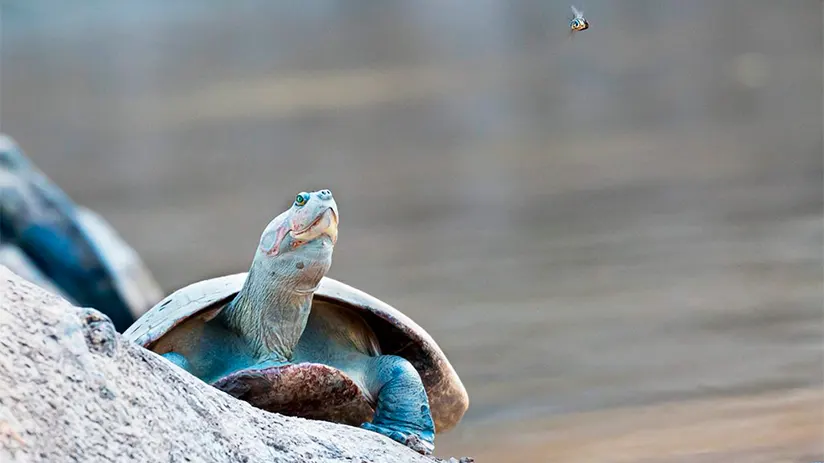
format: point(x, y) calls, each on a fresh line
point(72, 390)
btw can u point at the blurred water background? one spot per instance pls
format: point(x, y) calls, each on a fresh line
point(619, 222)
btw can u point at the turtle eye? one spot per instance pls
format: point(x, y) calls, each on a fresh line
point(301, 199)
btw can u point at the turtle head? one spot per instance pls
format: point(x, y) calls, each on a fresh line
point(296, 247)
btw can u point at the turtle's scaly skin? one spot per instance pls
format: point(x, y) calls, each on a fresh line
point(67, 249)
point(259, 337)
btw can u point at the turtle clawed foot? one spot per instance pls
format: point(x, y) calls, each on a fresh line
point(402, 406)
point(411, 440)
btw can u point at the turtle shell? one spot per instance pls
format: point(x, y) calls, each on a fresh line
point(397, 335)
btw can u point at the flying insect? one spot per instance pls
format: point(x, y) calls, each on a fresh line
point(578, 22)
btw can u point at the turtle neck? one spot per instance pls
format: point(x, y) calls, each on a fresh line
point(270, 312)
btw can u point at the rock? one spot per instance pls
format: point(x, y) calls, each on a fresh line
point(72, 390)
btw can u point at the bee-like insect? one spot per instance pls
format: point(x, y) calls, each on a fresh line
point(578, 22)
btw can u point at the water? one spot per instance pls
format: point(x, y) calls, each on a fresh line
point(629, 218)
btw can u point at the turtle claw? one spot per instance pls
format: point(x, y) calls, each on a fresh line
point(412, 441)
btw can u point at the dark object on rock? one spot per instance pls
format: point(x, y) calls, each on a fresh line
point(99, 331)
point(70, 250)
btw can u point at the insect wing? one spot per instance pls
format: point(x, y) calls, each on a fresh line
point(578, 14)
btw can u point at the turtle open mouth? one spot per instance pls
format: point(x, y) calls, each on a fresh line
point(325, 224)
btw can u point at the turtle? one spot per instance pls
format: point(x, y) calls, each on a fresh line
point(66, 248)
point(288, 339)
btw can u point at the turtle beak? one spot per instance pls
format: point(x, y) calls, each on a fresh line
point(331, 219)
point(325, 224)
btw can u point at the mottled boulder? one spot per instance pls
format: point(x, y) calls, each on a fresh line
point(72, 390)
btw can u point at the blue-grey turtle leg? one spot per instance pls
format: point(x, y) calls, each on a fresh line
point(209, 370)
point(402, 409)
point(178, 360)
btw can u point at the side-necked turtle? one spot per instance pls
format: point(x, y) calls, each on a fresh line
point(288, 339)
point(68, 249)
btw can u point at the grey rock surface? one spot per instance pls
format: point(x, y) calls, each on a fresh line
point(72, 390)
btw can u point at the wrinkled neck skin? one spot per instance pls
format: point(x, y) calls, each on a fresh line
point(271, 310)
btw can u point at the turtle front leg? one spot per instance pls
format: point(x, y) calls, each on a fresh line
point(179, 360)
point(402, 410)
